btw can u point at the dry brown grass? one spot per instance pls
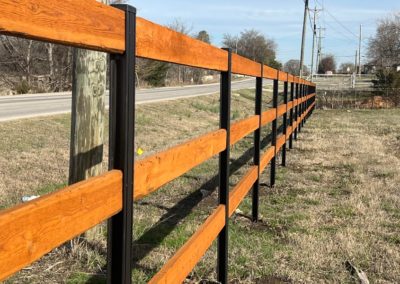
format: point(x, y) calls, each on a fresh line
point(337, 200)
point(345, 173)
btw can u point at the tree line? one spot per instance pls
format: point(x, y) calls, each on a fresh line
point(28, 66)
point(32, 66)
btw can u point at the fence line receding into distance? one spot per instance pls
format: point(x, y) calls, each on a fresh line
point(30, 230)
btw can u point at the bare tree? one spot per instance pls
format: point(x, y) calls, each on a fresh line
point(384, 47)
point(31, 66)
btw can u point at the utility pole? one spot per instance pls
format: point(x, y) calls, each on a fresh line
point(319, 51)
point(359, 51)
point(313, 43)
point(87, 117)
point(303, 39)
point(356, 63)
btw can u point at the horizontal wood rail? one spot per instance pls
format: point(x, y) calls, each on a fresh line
point(267, 157)
point(280, 141)
point(244, 66)
point(268, 116)
point(92, 25)
point(30, 230)
point(243, 128)
point(160, 43)
point(86, 24)
point(180, 265)
point(153, 172)
point(242, 188)
point(281, 110)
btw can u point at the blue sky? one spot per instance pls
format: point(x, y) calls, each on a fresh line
point(278, 20)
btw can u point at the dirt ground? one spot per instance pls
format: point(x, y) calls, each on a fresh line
point(337, 200)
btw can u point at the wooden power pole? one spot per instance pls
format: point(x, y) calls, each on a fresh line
point(359, 51)
point(87, 116)
point(313, 43)
point(303, 38)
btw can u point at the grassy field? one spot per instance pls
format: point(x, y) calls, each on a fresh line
point(337, 200)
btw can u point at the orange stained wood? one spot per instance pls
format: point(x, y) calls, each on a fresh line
point(160, 43)
point(180, 265)
point(86, 24)
point(268, 116)
point(281, 109)
point(280, 141)
point(242, 65)
point(156, 170)
point(243, 128)
point(282, 76)
point(270, 73)
point(289, 132)
point(266, 158)
point(290, 78)
point(242, 188)
point(289, 105)
point(30, 230)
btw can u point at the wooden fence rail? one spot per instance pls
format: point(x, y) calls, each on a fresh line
point(30, 230)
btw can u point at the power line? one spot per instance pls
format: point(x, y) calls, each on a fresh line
point(342, 25)
point(309, 17)
point(342, 34)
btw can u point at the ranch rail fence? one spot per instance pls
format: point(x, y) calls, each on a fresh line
point(29, 231)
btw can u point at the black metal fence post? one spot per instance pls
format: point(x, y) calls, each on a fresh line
point(285, 101)
point(305, 92)
point(296, 115)
point(291, 115)
point(257, 145)
point(225, 121)
point(301, 106)
point(122, 125)
point(274, 130)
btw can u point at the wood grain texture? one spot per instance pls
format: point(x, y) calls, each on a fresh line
point(244, 66)
point(242, 188)
point(154, 41)
point(281, 109)
point(158, 169)
point(180, 265)
point(266, 158)
point(270, 73)
point(268, 116)
point(243, 128)
point(30, 230)
point(86, 24)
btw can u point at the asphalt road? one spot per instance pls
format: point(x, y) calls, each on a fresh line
point(33, 105)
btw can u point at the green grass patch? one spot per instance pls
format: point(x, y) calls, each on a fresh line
point(80, 277)
point(50, 188)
